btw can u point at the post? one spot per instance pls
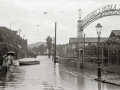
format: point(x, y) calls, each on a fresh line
point(77, 49)
point(19, 31)
point(16, 47)
point(108, 57)
point(99, 67)
point(55, 43)
point(10, 26)
point(99, 29)
point(102, 56)
point(84, 49)
point(79, 55)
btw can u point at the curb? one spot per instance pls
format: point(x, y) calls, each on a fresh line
point(104, 81)
point(111, 71)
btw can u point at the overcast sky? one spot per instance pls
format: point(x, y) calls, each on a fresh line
point(36, 25)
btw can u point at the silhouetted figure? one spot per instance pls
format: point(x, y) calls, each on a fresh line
point(5, 63)
point(1, 61)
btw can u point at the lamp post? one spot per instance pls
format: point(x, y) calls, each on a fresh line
point(55, 43)
point(99, 29)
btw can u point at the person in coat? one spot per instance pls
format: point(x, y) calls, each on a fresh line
point(5, 63)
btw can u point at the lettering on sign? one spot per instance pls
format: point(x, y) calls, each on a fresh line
point(110, 7)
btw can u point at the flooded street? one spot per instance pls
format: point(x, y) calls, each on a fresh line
point(48, 76)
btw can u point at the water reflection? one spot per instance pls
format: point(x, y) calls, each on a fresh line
point(48, 76)
point(82, 81)
point(3, 79)
point(99, 86)
point(73, 80)
point(11, 80)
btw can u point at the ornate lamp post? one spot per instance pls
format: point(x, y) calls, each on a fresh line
point(99, 29)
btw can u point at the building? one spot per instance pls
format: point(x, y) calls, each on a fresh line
point(114, 33)
point(89, 45)
point(114, 51)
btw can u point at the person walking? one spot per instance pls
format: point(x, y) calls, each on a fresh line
point(12, 59)
point(1, 60)
point(5, 63)
point(9, 59)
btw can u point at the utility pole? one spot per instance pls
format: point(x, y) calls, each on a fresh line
point(10, 26)
point(13, 23)
point(84, 49)
point(23, 36)
point(55, 43)
point(19, 31)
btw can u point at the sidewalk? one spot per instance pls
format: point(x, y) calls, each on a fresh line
point(111, 75)
point(112, 68)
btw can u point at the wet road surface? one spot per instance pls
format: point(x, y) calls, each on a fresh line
point(50, 76)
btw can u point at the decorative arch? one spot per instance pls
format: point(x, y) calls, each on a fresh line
point(108, 10)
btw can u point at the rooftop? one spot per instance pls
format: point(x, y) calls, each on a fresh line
point(114, 33)
point(87, 40)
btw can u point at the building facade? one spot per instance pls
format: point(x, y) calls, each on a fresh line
point(89, 45)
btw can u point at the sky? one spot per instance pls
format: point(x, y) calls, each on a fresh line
point(36, 18)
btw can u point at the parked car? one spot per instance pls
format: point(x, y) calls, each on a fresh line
point(57, 59)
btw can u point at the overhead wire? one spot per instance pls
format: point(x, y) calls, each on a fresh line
point(42, 19)
point(58, 6)
point(63, 10)
point(44, 13)
point(67, 8)
point(49, 12)
point(20, 9)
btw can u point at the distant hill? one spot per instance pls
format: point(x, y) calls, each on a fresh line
point(36, 44)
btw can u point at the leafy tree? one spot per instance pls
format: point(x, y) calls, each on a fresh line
point(113, 43)
point(9, 40)
point(49, 45)
point(41, 49)
point(35, 49)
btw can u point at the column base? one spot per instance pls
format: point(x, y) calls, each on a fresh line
point(99, 78)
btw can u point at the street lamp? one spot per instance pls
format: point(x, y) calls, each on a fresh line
point(99, 29)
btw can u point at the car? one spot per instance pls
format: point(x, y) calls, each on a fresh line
point(57, 58)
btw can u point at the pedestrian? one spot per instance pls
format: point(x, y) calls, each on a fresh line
point(1, 59)
point(12, 59)
point(5, 63)
point(9, 60)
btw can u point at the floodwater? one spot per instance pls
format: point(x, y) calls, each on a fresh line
point(50, 76)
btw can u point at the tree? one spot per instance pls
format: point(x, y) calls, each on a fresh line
point(113, 43)
point(41, 49)
point(10, 41)
point(34, 49)
point(113, 47)
point(49, 45)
